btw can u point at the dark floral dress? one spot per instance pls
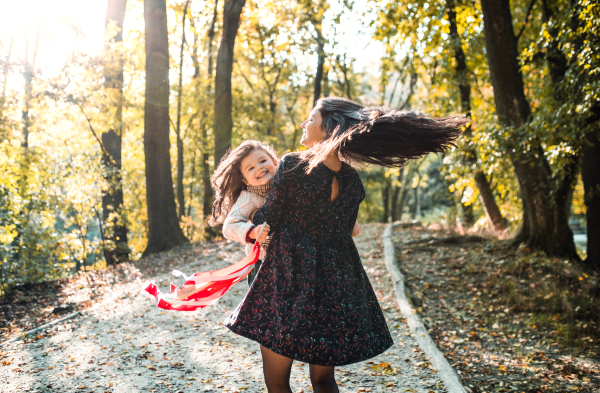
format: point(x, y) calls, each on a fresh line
point(311, 299)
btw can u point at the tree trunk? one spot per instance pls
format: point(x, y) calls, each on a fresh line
point(492, 212)
point(326, 86)
point(208, 194)
point(164, 232)
point(320, 66)
point(417, 190)
point(29, 68)
point(180, 150)
point(543, 227)
point(4, 82)
point(223, 122)
point(411, 89)
point(385, 196)
point(590, 162)
point(406, 186)
point(115, 230)
point(396, 194)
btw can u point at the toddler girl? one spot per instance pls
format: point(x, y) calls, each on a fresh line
point(242, 181)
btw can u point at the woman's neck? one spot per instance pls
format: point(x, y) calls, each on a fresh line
point(333, 162)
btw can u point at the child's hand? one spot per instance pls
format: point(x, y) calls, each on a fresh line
point(256, 231)
point(356, 229)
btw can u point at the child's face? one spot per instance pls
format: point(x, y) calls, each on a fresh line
point(311, 129)
point(258, 168)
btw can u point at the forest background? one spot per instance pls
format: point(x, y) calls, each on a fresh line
point(113, 115)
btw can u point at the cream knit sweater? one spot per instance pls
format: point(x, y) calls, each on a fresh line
point(238, 221)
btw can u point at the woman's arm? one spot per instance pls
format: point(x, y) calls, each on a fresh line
point(271, 212)
point(359, 190)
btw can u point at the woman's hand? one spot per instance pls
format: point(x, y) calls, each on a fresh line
point(254, 233)
point(356, 229)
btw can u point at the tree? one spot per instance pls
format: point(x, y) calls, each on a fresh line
point(545, 221)
point(207, 194)
point(492, 212)
point(223, 122)
point(5, 68)
point(208, 191)
point(115, 229)
point(180, 150)
point(164, 231)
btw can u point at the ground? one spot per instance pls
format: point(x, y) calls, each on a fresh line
point(507, 319)
point(123, 343)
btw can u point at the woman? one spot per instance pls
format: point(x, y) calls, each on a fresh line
point(311, 299)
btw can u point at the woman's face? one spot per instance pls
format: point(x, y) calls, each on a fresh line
point(311, 129)
point(258, 168)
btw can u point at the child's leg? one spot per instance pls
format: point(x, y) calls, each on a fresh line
point(323, 379)
point(277, 369)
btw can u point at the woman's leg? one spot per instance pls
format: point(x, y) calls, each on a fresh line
point(277, 369)
point(323, 379)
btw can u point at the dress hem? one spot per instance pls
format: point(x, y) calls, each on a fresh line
point(331, 364)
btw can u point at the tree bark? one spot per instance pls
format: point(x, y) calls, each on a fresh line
point(543, 227)
point(4, 82)
point(223, 122)
point(590, 162)
point(326, 86)
point(492, 212)
point(208, 194)
point(406, 186)
point(164, 232)
point(320, 65)
point(115, 234)
point(180, 149)
point(395, 195)
point(417, 191)
point(385, 196)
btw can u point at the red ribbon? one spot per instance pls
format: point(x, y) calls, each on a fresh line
point(203, 289)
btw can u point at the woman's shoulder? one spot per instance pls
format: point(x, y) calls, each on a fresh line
point(292, 162)
point(293, 157)
point(349, 170)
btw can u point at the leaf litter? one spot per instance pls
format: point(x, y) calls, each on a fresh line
point(507, 319)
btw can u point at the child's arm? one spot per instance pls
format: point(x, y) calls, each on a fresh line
point(236, 226)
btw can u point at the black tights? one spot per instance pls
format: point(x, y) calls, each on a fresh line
point(277, 370)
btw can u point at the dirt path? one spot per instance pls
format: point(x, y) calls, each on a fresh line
point(126, 344)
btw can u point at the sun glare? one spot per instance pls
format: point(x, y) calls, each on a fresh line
point(65, 27)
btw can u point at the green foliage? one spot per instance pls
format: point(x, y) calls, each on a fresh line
point(50, 192)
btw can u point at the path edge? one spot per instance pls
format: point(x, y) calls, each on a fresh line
point(444, 371)
point(38, 329)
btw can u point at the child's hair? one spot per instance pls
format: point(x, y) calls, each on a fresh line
point(228, 180)
point(381, 136)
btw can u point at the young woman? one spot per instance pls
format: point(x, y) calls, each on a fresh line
point(312, 300)
point(242, 181)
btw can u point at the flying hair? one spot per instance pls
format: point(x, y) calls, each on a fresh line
point(382, 136)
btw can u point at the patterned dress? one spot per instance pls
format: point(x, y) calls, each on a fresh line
point(311, 299)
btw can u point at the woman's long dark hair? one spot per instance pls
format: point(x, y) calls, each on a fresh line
point(228, 180)
point(387, 137)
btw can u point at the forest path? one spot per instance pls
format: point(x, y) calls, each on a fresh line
point(126, 344)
